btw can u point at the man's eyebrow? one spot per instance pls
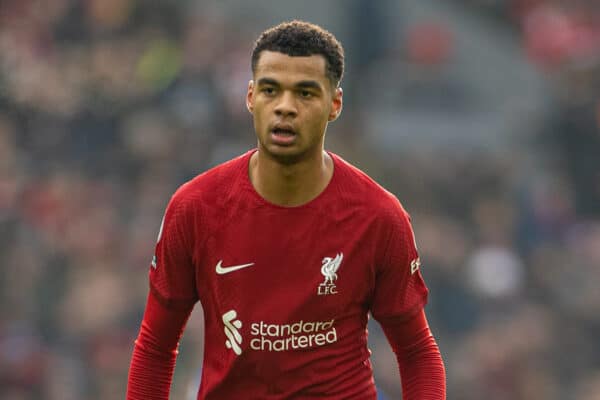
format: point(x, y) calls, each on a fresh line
point(302, 84)
point(267, 81)
point(309, 85)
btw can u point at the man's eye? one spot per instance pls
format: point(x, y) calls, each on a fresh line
point(268, 90)
point(305, 94)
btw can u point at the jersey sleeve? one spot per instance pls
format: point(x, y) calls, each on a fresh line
point(422, 371)
point(400, 291)
point(172, 272)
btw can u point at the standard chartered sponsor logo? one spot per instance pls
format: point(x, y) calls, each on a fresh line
point(298, 335)
point(278, 337)
point(232, 326)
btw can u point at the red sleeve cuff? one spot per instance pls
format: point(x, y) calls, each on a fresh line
point(419, 360)
point(155, 352)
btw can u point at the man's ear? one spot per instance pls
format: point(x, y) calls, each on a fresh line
point(337, 104)
point(249, 96)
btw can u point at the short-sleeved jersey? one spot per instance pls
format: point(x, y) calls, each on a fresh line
point(286, 291)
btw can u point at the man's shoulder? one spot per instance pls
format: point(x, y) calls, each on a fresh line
point(361, 192)
point(214, 182)
point(358, 186)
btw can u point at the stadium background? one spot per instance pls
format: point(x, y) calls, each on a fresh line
point(482, 116)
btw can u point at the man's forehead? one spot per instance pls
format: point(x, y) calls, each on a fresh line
point(270, 62)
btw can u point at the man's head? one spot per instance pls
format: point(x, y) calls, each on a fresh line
point(294, 93)
point(299, 38)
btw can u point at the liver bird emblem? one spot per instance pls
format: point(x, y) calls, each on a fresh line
point(330, 267)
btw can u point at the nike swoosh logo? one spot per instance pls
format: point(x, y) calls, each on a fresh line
point(225, 270)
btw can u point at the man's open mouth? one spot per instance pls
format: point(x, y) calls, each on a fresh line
point(283, 135)
point(283, 131)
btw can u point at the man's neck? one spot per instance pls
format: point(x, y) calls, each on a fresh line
point(290, 185)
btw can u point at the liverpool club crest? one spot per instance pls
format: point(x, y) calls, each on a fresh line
point(329, 271)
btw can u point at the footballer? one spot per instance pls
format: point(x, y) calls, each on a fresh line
point(288, 248)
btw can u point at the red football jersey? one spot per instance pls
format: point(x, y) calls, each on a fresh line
point(286, 291)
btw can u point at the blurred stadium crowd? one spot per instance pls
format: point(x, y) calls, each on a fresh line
point(107, 106)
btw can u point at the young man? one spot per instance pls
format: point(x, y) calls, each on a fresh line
point(287, 248)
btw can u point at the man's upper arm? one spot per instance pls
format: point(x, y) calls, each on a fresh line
point(400, 291)
point(172, 271)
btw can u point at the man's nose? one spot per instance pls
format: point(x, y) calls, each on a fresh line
point(286, 105)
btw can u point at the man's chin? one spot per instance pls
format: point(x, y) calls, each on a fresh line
point(285, 155)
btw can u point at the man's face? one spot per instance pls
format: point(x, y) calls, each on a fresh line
point(291, 101)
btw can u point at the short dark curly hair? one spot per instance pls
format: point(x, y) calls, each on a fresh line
point(300, 39)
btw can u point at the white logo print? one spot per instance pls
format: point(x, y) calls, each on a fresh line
point(414, 265)
point(225, 270)
point(232, 326)
point(329, 271)
point(162, 223)
point(292, 336)
point(265, 336)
